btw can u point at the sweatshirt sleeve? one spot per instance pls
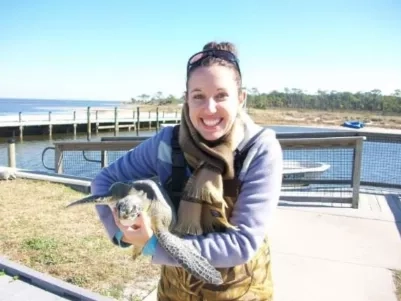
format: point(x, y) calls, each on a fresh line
point(252, 213)
point(139, 162)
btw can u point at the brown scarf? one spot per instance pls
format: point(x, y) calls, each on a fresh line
point(204, 189)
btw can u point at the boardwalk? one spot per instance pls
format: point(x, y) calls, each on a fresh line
point(81, 117)
point(93, 119)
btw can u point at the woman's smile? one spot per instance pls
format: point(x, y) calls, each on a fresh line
point(211, 123)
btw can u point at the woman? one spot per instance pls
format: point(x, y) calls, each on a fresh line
point(226, 221)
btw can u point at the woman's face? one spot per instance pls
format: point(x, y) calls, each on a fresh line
point(213, 100)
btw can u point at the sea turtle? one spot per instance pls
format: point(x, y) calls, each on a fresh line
point(130, 199)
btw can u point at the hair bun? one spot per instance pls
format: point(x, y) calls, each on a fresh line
point(221, 46)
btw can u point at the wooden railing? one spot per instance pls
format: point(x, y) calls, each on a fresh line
point(94, 119)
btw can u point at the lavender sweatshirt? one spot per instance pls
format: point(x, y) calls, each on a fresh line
point(261, 177)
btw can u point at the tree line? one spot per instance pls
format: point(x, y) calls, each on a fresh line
point(373, 100)
point(295, 98)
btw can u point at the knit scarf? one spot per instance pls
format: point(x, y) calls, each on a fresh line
point(212, 163)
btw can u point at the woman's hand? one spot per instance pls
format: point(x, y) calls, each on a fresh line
point(139, 233)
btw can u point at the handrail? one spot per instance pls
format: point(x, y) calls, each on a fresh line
point(90, 160)
point(43, 156)
point(95, 145)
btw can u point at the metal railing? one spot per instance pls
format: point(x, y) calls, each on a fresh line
point(341, 155)
point(381, 154)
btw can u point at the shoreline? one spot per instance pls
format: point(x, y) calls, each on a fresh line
point(375, 121)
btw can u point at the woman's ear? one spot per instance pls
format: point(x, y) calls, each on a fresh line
point(242, 97)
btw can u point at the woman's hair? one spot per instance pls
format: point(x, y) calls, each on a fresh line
point(209, 61)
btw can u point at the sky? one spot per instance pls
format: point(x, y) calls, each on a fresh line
point(115, 50)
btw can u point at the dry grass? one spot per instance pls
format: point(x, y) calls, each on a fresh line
point(397, 281)
point(322, 118)
point(280, 116)
point(72, 245)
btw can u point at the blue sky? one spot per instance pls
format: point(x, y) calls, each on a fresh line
point(114, 50)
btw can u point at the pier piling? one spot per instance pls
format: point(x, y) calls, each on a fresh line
point(89, 126)
point(50, 125)
point(157, 119)
point(21, 127)
point(137, 121)
point(97, 121)
point(116, 121)
point(11, 153)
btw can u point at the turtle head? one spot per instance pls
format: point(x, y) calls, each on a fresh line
point(130, 207)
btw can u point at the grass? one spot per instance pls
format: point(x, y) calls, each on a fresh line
point(72, 245)
point(397, 282)
point(322, 118)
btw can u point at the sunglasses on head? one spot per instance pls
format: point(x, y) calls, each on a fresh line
point(197, 59)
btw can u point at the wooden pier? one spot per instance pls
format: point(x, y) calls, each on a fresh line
point(93, 119)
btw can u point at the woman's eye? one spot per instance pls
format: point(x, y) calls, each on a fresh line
point(198, 96)
point(222, 95)
point(198, 99)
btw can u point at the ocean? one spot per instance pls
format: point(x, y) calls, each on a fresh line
point(10, 106)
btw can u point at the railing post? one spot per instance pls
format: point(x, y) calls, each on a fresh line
point(356, 171)
point(157, 119)
point(75, 123)
point(11, 153)
point(58, 160)
point(104, 157)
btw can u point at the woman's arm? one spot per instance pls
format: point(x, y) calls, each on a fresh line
point(138, 163)
point(252, 213)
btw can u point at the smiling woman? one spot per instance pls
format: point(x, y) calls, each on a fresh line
point(223, 174)
point(213, 96)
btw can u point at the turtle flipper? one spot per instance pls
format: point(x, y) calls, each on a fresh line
point(92, 199)
point(117, 191)
point(189, 258)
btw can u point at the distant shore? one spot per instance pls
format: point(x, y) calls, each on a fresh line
point(374, 122)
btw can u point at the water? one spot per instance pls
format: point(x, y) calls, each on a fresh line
point(40, 106)
point(29, 151)
point(381, 161)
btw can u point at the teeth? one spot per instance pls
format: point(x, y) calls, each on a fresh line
point(211, 122)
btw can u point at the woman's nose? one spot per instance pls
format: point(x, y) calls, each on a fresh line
point(211, 105)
